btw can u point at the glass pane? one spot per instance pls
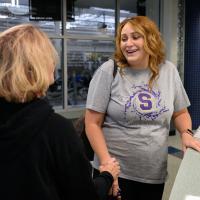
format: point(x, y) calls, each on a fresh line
point(150, 8)
point(128, 9)
point(18, 12)
point(93, 18)
point(55, 92)
point(83, 58)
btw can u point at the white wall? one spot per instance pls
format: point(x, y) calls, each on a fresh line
point(169, 28)
point(167, 20)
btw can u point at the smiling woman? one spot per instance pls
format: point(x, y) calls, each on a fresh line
point(149, 44)
point(132, 47)
point(129, 117)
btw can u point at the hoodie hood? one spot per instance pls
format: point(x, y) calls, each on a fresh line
point(20, 124)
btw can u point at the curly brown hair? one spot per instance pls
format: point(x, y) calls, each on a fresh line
point(153, 44)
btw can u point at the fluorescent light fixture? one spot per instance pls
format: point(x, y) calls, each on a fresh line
point(191, 197)
point(13, 9)
point(19, 10)
point(3, 16)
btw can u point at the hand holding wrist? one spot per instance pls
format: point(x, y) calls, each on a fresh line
point(105, 160)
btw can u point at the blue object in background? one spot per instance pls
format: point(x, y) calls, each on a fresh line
point(192, 58)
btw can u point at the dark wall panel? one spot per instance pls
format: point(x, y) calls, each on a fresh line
point(192, 58)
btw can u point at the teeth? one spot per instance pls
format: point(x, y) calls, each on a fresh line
point(132, 51)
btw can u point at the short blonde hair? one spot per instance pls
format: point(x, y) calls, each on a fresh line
point(27, 57)
point(153, 43)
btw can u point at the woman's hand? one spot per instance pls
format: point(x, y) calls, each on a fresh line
point(189, 141)
point(112, 166)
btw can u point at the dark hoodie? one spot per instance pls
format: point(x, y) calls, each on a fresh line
point(41, 157)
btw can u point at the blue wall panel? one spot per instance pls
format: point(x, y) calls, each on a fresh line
point(192, 58)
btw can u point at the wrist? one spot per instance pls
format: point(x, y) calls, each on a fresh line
point(106, 160)
point(187, 131)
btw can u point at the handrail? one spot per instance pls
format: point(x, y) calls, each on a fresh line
point(187, 182)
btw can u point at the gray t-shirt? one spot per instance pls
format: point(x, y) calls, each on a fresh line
point(137, 121)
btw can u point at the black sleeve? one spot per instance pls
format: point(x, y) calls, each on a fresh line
point(72, 168)
point(103, 183)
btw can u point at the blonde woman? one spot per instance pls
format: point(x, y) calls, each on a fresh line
point(40, 154)
point(128, 117)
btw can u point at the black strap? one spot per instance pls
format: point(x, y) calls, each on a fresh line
point(115, 69)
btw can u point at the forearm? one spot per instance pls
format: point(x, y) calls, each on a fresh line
point(93, 125)
point(97, 141)
point(182, 121)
